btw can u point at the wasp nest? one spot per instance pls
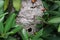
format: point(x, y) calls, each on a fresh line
point(28, 13)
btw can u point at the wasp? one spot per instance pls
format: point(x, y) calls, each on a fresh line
point(33, 1)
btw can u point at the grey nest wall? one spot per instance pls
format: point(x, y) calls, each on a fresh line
point(28, 13)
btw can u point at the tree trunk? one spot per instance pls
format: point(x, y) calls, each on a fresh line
point(28, 13)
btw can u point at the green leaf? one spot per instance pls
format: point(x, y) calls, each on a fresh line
point(1, 25)
point(37, 39)
point(53, 37)
point(40, 39)
point(38, 34)
point(54, 20)
point(39, 18)
point(1, 6)
point(17, 4)
point(11, 38)
point(1, 22)
point(57, 2)
point(1, 3)
point(25, 34)
point(6, 3)
point(1, 15)
point(39, 26)
point(46, 32)
point(59, 28)
point(9, 22)
point(54, 12)
point(14, 24)
point(16, 29)
point(53, 7)
point(45, 5)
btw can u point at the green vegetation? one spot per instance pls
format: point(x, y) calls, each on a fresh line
point(48, 30)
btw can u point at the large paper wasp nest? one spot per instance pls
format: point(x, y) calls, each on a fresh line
point(29, 12)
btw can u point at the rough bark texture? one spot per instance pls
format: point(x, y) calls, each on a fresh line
point(29, 12)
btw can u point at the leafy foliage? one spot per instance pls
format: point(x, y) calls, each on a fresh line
point(48, 30)
point(16, 5)
point(6, 3)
